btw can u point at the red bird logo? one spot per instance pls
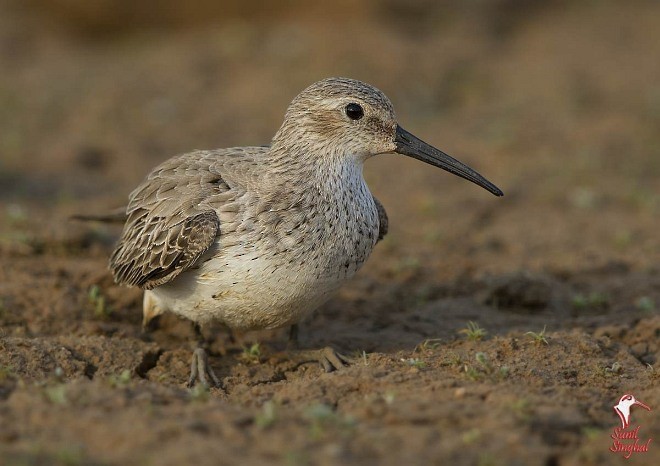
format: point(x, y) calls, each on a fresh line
point(623, 408)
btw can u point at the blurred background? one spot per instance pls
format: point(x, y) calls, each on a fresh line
point(557, 102)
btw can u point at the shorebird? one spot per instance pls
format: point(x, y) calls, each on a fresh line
point(258, 237)
point(623, 408)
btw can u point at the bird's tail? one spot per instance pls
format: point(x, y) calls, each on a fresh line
point(115, 216)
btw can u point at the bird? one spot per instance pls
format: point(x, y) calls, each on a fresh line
point(259, 237)
point(623, 408)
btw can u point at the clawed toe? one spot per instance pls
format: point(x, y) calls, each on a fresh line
point(201, 370)
point(329, 359)
point(332, 360)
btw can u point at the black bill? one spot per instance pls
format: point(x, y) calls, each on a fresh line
point(410, 145)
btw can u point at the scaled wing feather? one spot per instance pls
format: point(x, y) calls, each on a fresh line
point(170, 225)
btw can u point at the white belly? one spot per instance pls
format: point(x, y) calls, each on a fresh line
point(248, 291)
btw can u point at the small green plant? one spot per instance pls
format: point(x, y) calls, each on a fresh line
point(623, 239)
point(522, 409)
point(58, 375)
point(452, 359)
point(538, 338)
point(488, 368)
point(473, 332)
point(319, 411)
point(16, 214)
point(484, 368)
point(415, 362)
point(199, 393)
point(591, 432)
point(267, 416)
point(296, 458)
point(592, 301)
point(251, 354)
point(7, 371)
point(471, 436)
point(97, 300)
point(428, 344)
point(321, 416)
point(483, 361)
point(615, 368)
point(122, 379)
point(645, 304)
point(487, 459)
point(56, 394)
point(69, 456)
point(389, 397)
point(472, 372)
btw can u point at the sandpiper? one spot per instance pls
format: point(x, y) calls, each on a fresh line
point(258, 237)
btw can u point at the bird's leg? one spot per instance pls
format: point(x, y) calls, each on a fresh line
point(293, 343)
point(200, 369)
point(328, 358)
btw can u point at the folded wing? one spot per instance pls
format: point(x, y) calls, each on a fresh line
point(170, 224)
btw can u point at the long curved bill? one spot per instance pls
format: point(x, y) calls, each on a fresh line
point(412, 146)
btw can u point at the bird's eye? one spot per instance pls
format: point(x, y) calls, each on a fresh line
point(354, 111)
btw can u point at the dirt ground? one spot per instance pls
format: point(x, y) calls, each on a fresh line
point(557, 102)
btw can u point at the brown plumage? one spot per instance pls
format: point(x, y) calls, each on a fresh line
point(383, 222)
point(257, 237)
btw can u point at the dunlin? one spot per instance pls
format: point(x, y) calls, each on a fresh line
point(258, 237)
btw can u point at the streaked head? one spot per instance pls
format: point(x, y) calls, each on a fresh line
point(341, 117)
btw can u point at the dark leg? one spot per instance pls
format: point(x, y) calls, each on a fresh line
point(200, 369)
point(293, 342)
point(199, 336)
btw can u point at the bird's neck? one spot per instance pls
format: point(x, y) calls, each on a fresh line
point(315, 166)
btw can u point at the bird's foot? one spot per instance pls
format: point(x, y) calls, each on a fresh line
point(329, 359)
point(201, 370)
point(293, 343)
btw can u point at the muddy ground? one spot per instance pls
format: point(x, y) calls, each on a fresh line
point(557, 102)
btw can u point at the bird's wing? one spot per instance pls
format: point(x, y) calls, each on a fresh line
point(170, 221)
point(382, 217)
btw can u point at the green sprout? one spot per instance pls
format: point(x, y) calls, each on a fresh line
point(594, 301)
point(252, 353)
point(97, 300)
point(645, 304)
point(473, 332)
point(538, 338)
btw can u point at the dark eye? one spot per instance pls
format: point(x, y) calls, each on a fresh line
point(354, 111)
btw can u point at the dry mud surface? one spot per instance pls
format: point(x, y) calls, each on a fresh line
point(558, 103)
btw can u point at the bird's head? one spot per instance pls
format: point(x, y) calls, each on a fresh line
point(341, 118)
point(626, 401)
